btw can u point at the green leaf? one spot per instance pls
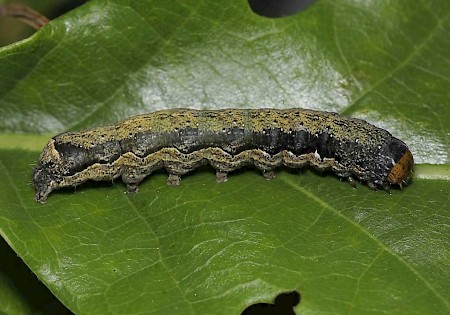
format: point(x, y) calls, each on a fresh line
point(209, 248)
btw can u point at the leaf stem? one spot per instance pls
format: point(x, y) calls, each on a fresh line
point(24, 14)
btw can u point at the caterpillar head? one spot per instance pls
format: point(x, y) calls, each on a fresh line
point(46, 174)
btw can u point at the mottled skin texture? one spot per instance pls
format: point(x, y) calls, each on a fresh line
point(181, 140)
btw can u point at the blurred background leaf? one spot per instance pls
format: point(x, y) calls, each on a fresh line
point(13, 30)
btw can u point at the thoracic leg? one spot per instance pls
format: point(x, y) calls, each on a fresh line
point(221, 176)
point(132, 180)
point(132, 188)
point(269, 174)
point(372, 185)
point(173, 180)
point(351, 181)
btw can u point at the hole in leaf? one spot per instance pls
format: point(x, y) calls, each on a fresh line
point(66, 6)
point(278, 8)
point(283, 305)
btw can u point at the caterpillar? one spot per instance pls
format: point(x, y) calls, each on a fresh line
point(180, 140)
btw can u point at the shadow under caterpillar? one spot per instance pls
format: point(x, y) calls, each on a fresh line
point(181, 140)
